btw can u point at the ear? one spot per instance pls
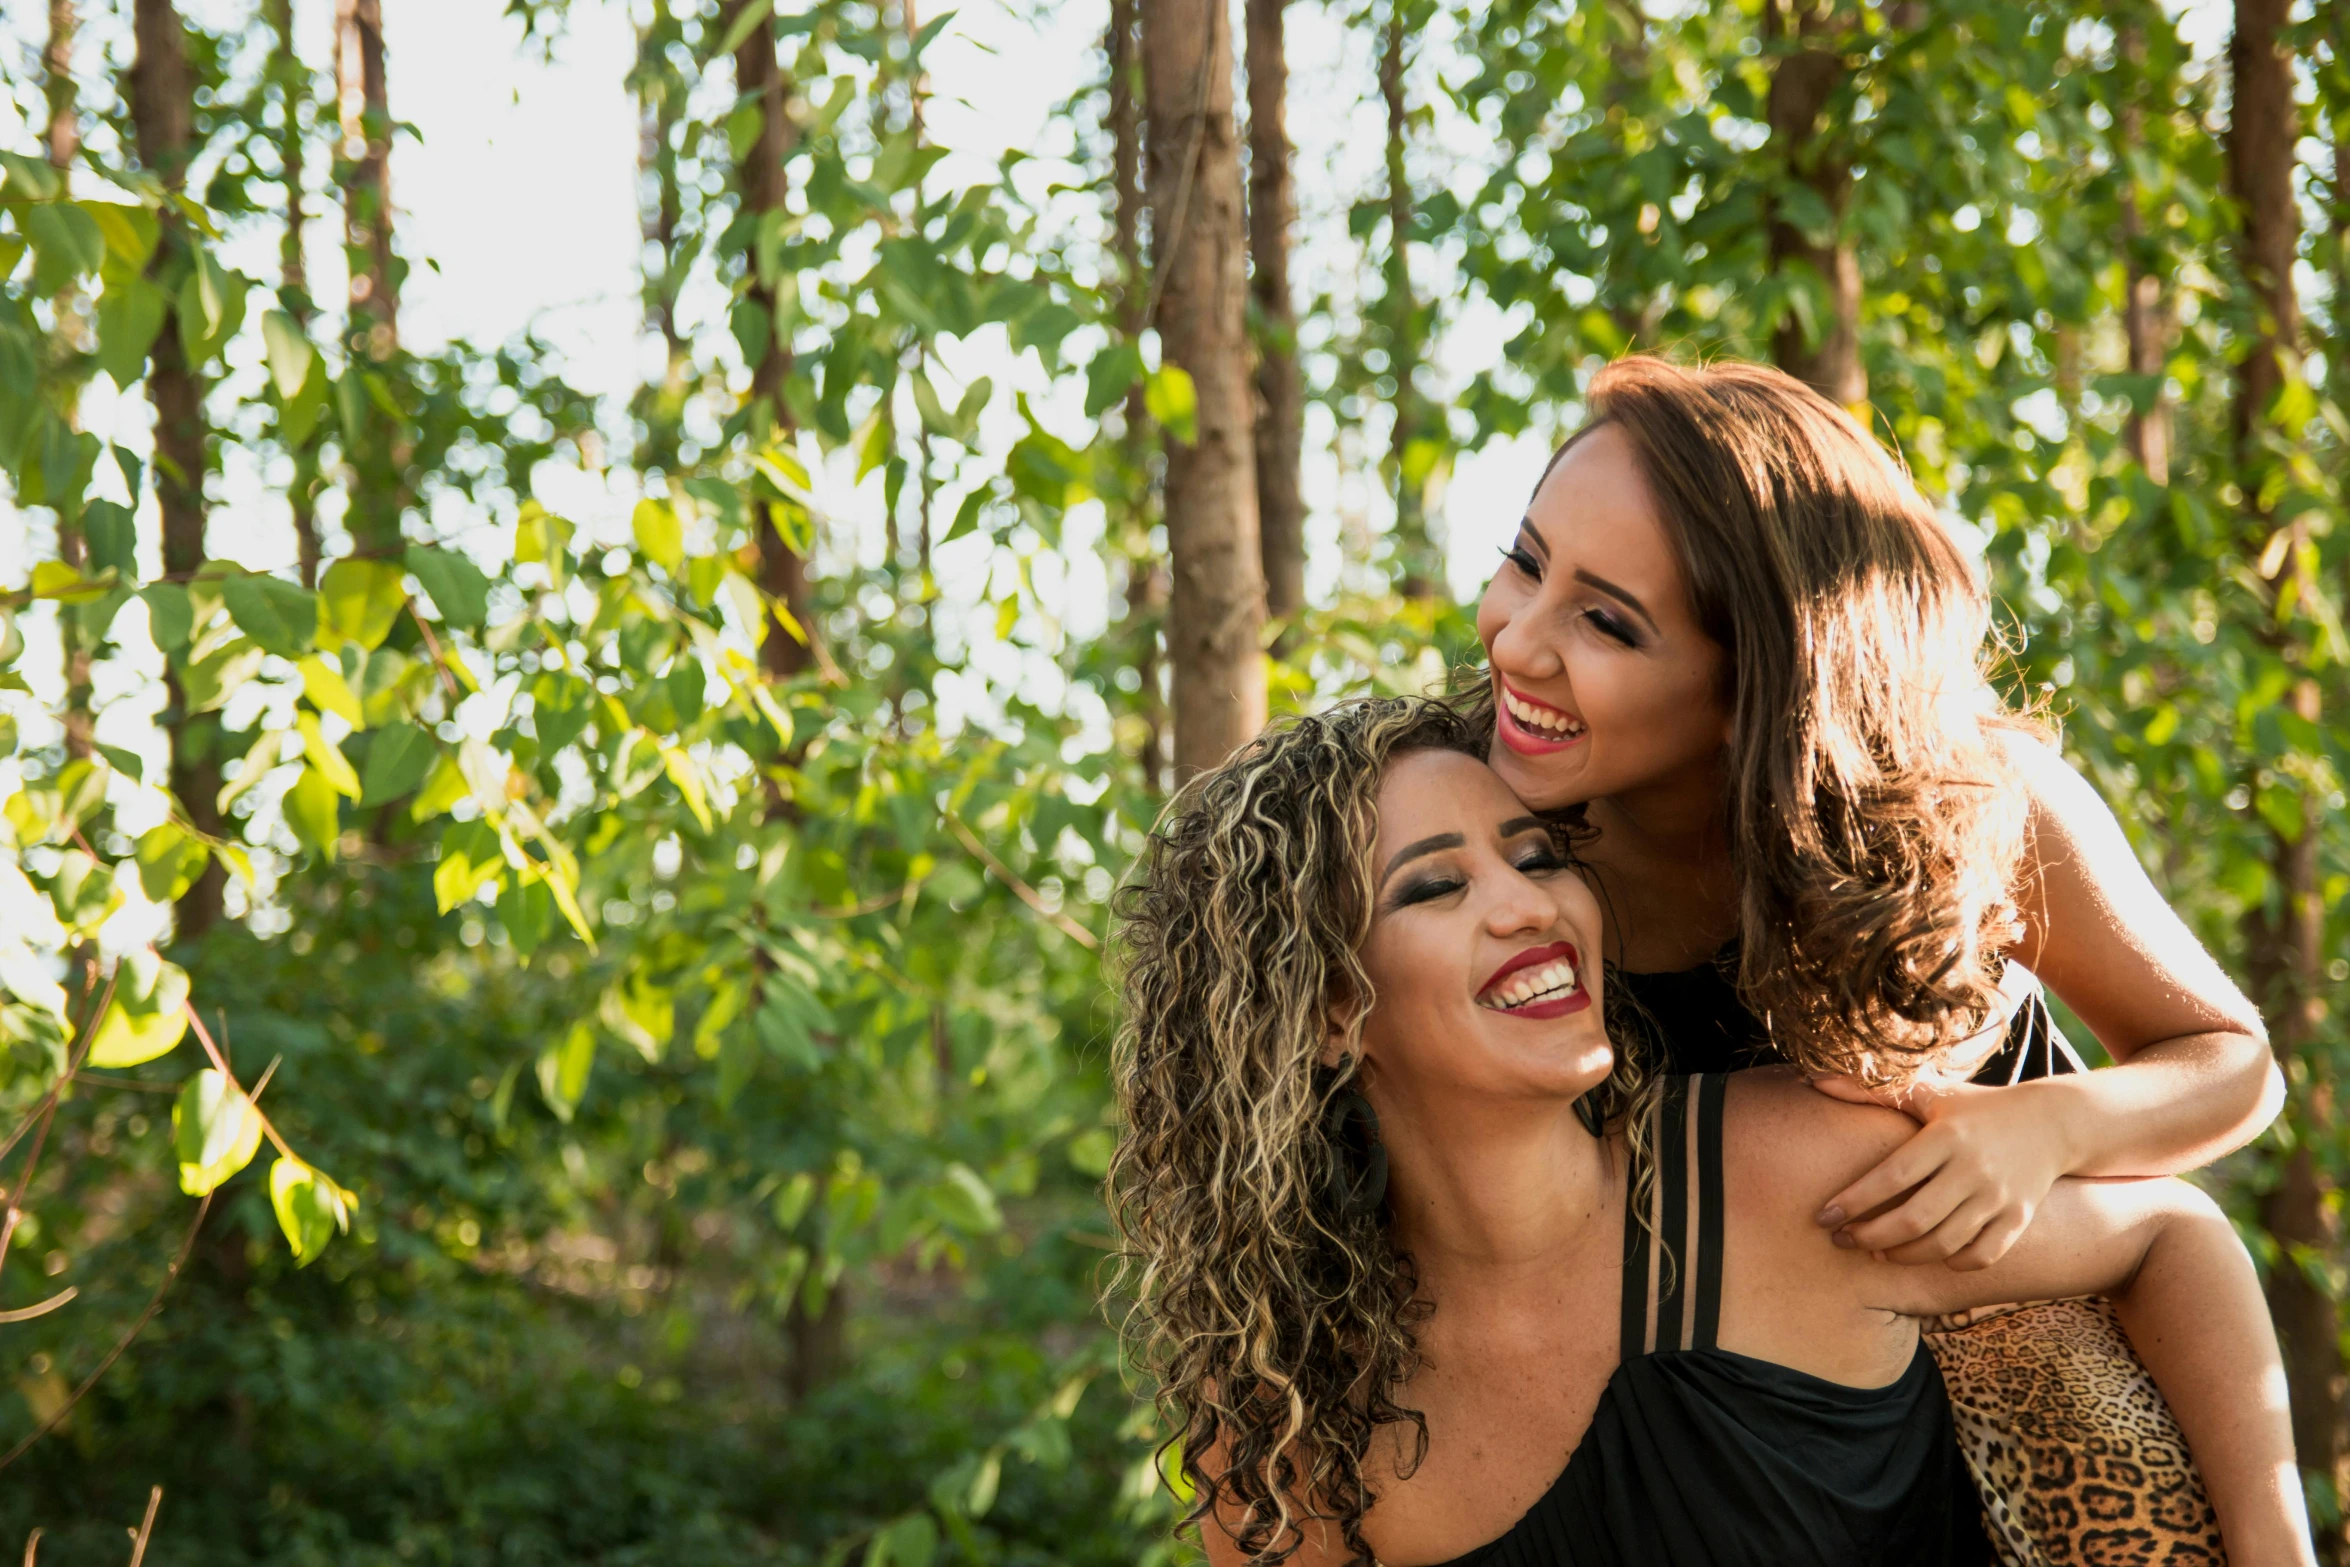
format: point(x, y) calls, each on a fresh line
point(1337, 1022)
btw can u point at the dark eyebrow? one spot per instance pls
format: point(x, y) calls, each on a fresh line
point(1442, 840)
point(1517, 825)
point(1541, 544)
point(1629, 599)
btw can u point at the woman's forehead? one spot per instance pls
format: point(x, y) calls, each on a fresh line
point(1443, 791)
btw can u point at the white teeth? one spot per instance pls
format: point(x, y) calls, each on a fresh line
point(1547, 720)
point(1529, 985)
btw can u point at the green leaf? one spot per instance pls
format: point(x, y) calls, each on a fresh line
point(215, 1130)
point(359, 601)
point(1173, 402)
point(314, 809)
point(211, 306)
point(325, 757)
point(288, 351)
point(660, 537)
point(112, 533)
point(454, 584)
point(748, 17)
point(170, 614)
point(169, 862)
point(329, 692)
point(148, 1015)
point(470, 855)
point(527, 910)
point(909, 1542)
point(281, 617)
point(29, 179)
point(963, 1200)
point(128, 763)
point(563, 1070)
point(1113, 371)
point(396, 762)
point(66, 244)
point(311, 1208)
point(130, 317)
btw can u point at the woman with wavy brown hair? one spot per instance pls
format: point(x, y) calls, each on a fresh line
point(1734, 647)
point(1428, 1272)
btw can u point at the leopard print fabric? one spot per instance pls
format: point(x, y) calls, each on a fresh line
point(2079, 1461)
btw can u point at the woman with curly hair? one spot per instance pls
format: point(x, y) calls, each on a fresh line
point(1427, 1273)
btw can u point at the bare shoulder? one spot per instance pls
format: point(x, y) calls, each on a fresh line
point(2065, 806)
point(1787, 1147)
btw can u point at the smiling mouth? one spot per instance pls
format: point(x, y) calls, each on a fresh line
point(1535, 987)
point(1538, 722)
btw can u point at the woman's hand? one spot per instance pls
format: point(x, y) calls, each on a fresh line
point(1966, 1186)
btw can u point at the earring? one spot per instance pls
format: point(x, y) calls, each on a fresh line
point(1358, 1168)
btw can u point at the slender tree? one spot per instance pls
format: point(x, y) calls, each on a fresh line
point(163, 115)
point(62, 140)
point(1420, 569)
point(760, 79)
point(379, 470)
point(1147, 583)
point(2146, 320)
point(1804, 35)
point(2287, 942)
point(1216, 611)
point(292, 77)
point(1281, 397)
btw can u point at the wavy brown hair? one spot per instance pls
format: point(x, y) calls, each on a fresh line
point(1277, 1325)
point(1876, 826)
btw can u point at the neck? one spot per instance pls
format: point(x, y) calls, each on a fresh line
point(1674, 820)
point(1492, 1192)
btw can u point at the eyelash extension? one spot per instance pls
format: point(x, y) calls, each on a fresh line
point(1611, 627)
point(1425, 892)
point(1523, 560)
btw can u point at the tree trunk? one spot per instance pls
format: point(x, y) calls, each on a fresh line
point(2288, 947)
point(379, 471)
point(1216, 611)
point(1419, 567)
point(1281, 396)
point(293, 265)
point(2146, 320)
point(62, 139)
point(759, 76)
point(1146, 576)
point(163, 113)
point(1802, 81)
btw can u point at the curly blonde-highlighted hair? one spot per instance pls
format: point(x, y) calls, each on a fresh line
point(1876, 825)
point(1276, 1319)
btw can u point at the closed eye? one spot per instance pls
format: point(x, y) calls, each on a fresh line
point(1612, 626)
point(1523, 559)
point(1425, 890)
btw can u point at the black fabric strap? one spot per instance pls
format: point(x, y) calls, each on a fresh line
point(1672, 1175)
point(1706, 1289)
point(1632, 1333)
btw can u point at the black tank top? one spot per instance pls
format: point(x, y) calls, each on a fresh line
point(1696, 1455)
point(1696, 1022)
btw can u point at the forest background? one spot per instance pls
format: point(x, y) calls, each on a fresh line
point(550, 932)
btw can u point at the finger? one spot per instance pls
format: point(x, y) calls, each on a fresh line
point(1925, 1211)
point(1913, 1163)
point(1947, 1239)
point(1997, 1239)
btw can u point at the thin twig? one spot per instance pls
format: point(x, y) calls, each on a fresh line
point(135, 1084)
point(869, 906)
point(27, 1313)
point(46, 1113)
point(1027, 894)
point(432, 645)
point(154, 1303)
point(146, 1527)
point(221, 1062)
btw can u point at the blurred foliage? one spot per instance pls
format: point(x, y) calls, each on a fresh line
point(685, 1085)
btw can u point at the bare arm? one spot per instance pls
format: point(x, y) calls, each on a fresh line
point(2196, 1078)
point(2187, 1294)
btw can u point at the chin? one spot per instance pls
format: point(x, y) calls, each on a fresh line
point(1541, 782)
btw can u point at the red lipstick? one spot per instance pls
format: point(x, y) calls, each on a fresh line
point(1534, 957)
point(1519, 737)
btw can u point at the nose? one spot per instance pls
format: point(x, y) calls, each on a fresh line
point(1519, 646)
point(1522, 907)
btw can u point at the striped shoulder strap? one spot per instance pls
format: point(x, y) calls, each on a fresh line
point(1672, 1295)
